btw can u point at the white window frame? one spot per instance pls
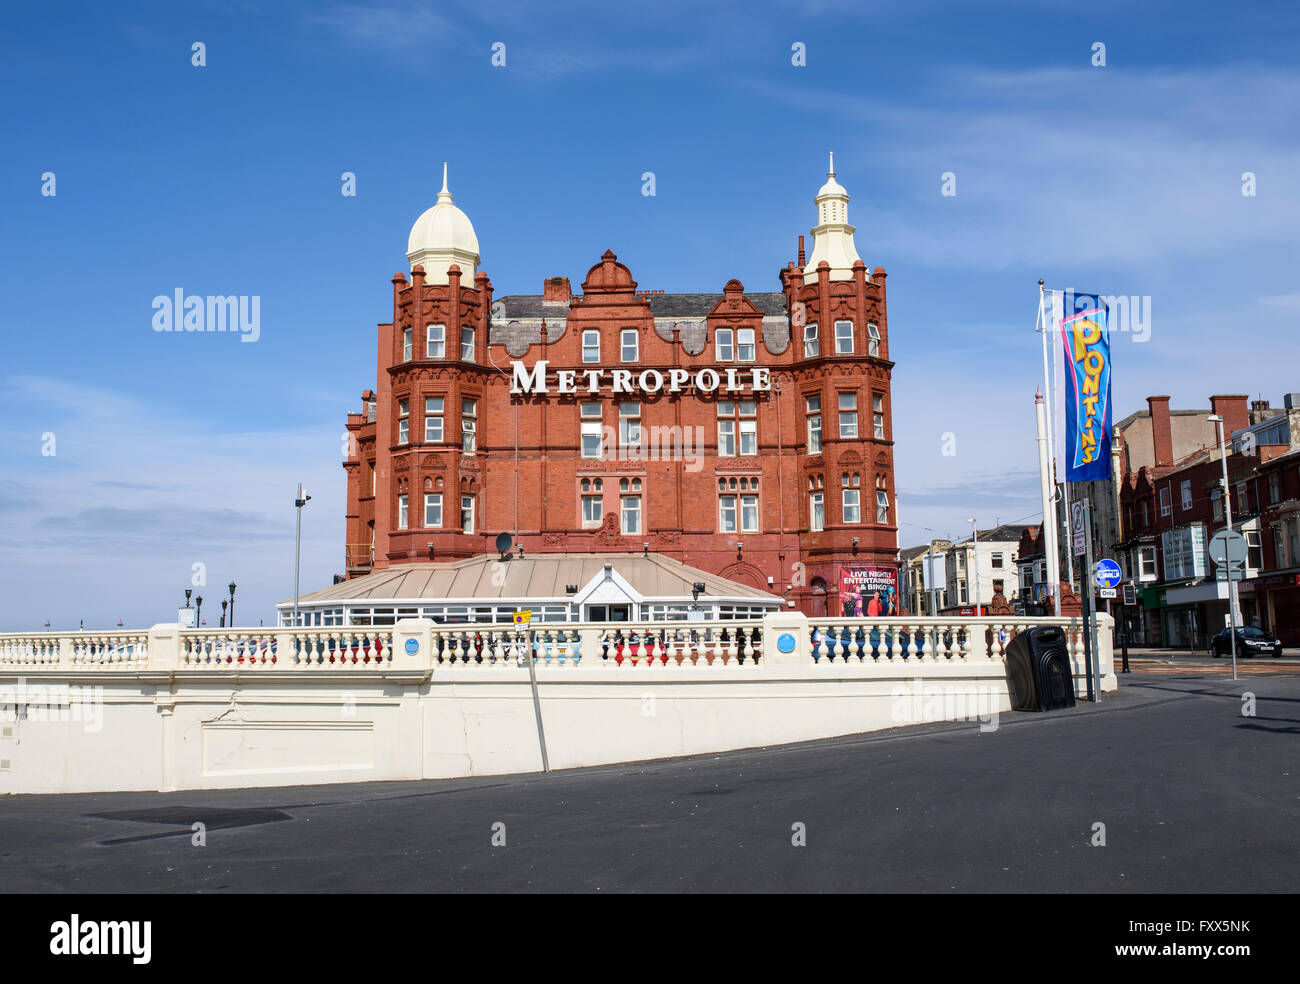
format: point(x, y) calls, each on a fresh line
point(728, 513)
point(1185, 494)
point(629, 508)
point(1166, 506)
point(403, 512)
point(848, 417)
point(466, 343)
point(468, 424)
point(590, 347)
point(817, 511)
point(624, 336)
point(435, 347)
point(592, 503)
point(406, 344)
point(878, 415)
point(467, 514)
point(433, 500)
point(627, 420)
point(882, 506)
point(431, 416)
point(813, 416)
point(749, 512)
point(724, 345)
point(745, 340)
point(404, 421)
point(844, 338)
point(851, 505)
point(873, 339)
point(811, 341)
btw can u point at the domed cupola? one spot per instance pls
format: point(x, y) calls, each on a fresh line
point(443, 235)
point(832, 236)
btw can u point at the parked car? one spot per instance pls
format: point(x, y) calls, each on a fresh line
point(1250, 642)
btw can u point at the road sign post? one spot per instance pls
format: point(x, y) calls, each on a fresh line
point(1228, 551)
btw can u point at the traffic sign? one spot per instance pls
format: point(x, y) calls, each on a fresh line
point(523, 616)
point(1076, 527)
point(1108, 575)
point(1130, 595)
point(1227, 548)
point(1108, 593)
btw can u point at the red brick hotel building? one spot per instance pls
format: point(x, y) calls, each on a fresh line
point(744, 434)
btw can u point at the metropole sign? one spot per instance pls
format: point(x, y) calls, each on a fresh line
point(730, 380)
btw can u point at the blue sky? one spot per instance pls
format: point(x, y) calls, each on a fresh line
point(176, 450)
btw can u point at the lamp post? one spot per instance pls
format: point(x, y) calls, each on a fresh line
point(975, 564)
point(198, 611)
point(1227, 515)
point(224, 603)
point(298, 503)
point(231, 585)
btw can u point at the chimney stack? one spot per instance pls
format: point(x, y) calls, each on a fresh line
point(1259, 410)
point(803, 260)
point(1162, 435)
point(1232, 409)
point(556, 289)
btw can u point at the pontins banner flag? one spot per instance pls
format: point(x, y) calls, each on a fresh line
point(1084, 321)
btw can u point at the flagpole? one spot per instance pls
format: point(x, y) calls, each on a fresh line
point(1064, 486)
point(1050, 543)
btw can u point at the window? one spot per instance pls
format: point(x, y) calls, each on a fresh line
point(851, 496)
point(997, 560)
point(737, 419)
point(810, 345)
point(844, 338)
point(723, 345)
point(433, 419)
point(1274, 488)
point(745, 344)
point(817, 511)
point(467, 344)
point(630, 505)
point(406, 344)
point(436, 344)
point(1186, 490)
point(629, 425)
point(467, 514)
point(590, 425)
point(403, 421)
point(1254, 552)
point(468, 425)
point(1293, 541)
point(1147, 563)
point(631, 345)
point(433, 509)
point(593, 502)
point(402, 513)
point(591, 346)
point(738, 511)
point(1279, 546)
point(961, 591)
point(1146, 513)
point(814, 415)
point(882, 502)
point(873, 340)
point(1243, 503)
point(1165, 508)
point(1216, 503)
point(848, 415)
point(878, 415)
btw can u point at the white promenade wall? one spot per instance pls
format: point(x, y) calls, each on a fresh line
point(173, 709)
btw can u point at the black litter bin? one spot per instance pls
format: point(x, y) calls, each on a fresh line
point(1038, 670)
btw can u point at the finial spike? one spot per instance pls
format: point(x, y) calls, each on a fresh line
point(444, 178)
point(831, 174)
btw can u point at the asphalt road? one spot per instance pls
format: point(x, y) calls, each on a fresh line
point(1194, 796)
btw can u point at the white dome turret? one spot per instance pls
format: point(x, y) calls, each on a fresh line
point(441, 236)
point(832, 236)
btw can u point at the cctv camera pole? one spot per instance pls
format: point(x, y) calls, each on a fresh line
point(297, 550)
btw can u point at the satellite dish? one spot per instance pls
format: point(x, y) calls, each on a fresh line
point(504, 543)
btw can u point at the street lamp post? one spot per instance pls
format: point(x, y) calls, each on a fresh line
point(298, 503)
point(975, 564)
point(232, 603)
point(1227, 515)
point(198, 611)
point(224, 603)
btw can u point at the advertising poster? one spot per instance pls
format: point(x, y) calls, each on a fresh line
point(870, 591)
